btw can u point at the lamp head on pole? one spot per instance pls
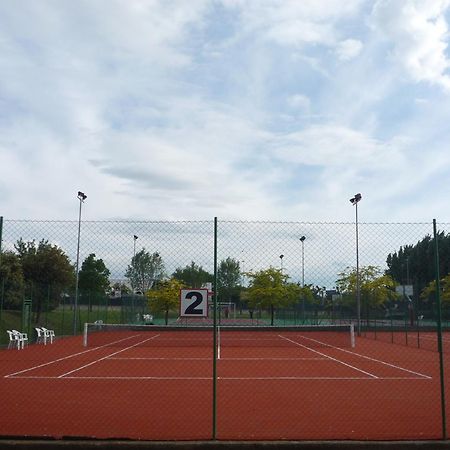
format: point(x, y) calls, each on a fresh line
point(281, 257)
point(303, 238)
point(355, 199)
point(81, 196)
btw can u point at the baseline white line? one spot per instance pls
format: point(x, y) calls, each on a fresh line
point(219, 378)
point(106, 357)
point(68, 357)
point(124, 358)
point(329, 357)
point(369, 358)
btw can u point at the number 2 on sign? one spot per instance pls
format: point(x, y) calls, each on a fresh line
point(194, 302)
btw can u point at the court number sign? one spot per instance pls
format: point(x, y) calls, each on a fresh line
point(194, 302)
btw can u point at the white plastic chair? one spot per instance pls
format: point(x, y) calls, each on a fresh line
point(48, 334)
point(13, 339)
point(40, 335)
point(21, 338)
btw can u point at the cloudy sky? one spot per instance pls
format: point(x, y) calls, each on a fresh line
point(241, 109)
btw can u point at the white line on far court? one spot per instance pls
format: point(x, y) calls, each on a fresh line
point(107, 356)
point(280, 378)
point(369, 358)
point(328, 357)
point(68, 357)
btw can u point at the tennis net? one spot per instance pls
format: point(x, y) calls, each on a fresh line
point(96, 335)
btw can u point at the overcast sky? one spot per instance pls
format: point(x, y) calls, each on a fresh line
point(241, 109)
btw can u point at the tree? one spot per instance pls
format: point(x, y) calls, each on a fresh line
point(415, 264)
point(145, 269)
point(93, 277)
point(193, 275)
point(229, 279)
point(11, 280)
point(47, 271)
point(165, 297)
point(428, 294)
point(376, 289)
point(269, 289)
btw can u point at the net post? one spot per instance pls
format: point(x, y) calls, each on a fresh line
point(85, 335)
point(352, 335)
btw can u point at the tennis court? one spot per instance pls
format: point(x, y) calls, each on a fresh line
point(157, 383)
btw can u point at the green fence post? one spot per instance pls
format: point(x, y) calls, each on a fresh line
point(214, 405)
point(439, 331)
point(3, 281)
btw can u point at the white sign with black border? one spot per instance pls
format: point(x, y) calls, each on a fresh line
point(194, 303)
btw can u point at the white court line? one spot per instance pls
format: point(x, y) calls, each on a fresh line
point(329, 357)
point(369, 358)
point(68, 357)
point(222, 359)
point(106, 357)
point(219, 378)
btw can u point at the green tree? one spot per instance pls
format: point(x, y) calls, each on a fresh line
point(376, 288)
point(166, 297)
point(415, 264)
point(11, 280)
point(193, 275)
point(229, 279)
point(428, 294)
point(145, 270)
point(93, 278)
point(47, 271)
point(269, 289)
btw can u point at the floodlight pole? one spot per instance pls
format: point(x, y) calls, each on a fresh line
point(355, 201)
point(135, 238)
point(281, 262)
point(302, 240)
point(82, 197)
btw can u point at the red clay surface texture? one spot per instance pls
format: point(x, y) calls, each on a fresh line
point(376, 391)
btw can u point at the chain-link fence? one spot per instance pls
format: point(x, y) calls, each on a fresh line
point(258, 366)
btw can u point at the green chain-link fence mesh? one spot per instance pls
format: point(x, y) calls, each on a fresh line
point(273, 385)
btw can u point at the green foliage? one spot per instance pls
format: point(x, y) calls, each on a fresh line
point(166, 297)
point(193, 275)
point(229, 279)
point(145, 269)
point(93, 276)
point(269, 289)
point(429, 292)
point(47, 271)
point(12, 283)
point(415, 264)
point(375, 288)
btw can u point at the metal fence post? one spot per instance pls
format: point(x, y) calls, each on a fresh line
point(214, 412)
point(439, 331)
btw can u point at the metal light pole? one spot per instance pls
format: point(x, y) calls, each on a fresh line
point(302, 240)
point(354, 202)
point(82, 197)
point(281, 262)
point(135, 238)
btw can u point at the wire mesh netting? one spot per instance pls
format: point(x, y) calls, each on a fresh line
point(268, 330)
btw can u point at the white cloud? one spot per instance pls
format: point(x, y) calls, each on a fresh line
point(348, 49)
point(418, 32)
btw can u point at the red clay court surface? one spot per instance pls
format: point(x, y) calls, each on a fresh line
point(375, 391)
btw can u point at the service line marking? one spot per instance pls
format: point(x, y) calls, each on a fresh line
point(369, 358)
point(107, 356)
point(329, 357)
point(67, 357)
